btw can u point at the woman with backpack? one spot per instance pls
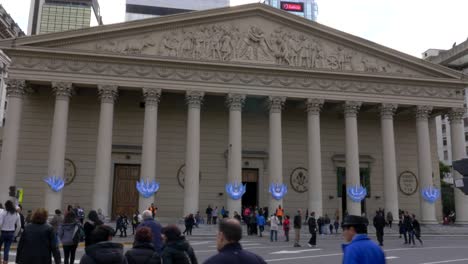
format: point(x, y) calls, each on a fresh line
point(10, 225)
point(70, 233)
point(176, 249)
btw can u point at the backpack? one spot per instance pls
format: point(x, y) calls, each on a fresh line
point(81, 213)
point(78, 234)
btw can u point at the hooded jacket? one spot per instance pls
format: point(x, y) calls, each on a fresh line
point(66, 233)
point(104, 253)
point(142, 253)
point(178, 252)
point(361, 250)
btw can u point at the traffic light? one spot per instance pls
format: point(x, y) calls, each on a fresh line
point(12, 191)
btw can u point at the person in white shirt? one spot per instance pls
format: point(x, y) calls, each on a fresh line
point(10, 225)
point(274, 222)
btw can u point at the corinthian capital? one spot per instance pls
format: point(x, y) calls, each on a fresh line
point(423, 112)
point(152, 96)
point(194, 99)
point(15, 88)
point(62, 90)
point(108, 93)
point(387, 111)
point(276, 103)
point(351, 108)
point(456, 115)
point(314, 105)
point(235, 102)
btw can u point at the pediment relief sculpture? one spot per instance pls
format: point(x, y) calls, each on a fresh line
point(248, 43)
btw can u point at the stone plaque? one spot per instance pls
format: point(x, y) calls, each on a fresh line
point(181, 176)
point(298, 179)
point(408, 183)
point(69, 172)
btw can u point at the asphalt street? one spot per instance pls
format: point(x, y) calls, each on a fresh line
point(436, 249)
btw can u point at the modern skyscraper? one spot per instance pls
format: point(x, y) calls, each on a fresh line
point(140, 9)
point(303, 8)
point(46, 16)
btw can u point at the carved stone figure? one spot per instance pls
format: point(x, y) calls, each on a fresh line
point(369, 65)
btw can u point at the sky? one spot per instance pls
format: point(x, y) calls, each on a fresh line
point(409, 26)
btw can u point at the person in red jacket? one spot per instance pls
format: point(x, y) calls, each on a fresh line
point(286, 227)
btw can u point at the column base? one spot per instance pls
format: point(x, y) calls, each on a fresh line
point(430, 222)
point(461, 222)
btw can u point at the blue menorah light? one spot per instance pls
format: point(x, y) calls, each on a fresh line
point(147, 188)
point(356, 193)
point(55, 183)
point(430, 194)
point(278, 191)
point(235, 190)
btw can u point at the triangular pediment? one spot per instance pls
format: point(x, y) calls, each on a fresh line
point(252, 34)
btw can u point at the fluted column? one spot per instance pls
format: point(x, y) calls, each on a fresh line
point(315, 203)
point(351, 110)
point(150, 132)
point(275, 159)
point(428, 215)
point(15, 90)
point(58, 141)
point(457, 130)
point(235, 103)
point(192, 157)
point(102, 179)
point(387, 112)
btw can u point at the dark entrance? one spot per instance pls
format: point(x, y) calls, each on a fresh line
point(125, 195)
point(341, 179)
point(250, 178)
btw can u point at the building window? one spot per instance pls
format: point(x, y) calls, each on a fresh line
point(444, 128)
point(465, 121)
point(444, 141)
point(445, 155)
point(466, 136)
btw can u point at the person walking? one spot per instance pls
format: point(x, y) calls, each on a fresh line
point(101, 216)
point(176, 249)
point(19, 210)
point(143, 251)
point(91, 223)
point(80, 213)
point(189, 223)
point(38, 243)
point(389, 219)
point(274, 222)
point(312, 223)
point(135, 221)
point(56, 221)
point(121, 225)
point(153, 209)
point(155, 227)
point(261, 223)
point(401, 228)
point(320, 225)
point(230, 250)
point(10, 225)
point(417, 229)
point(410, 231)
point(280, 214)
point(286, 227)
point(69, 233)
point(237, 216)
point(297, 228)
point(408, 227)
point(208, 212)
point(326, 224)
point(358, 247)
point(103, 250)
point(379, 224)
point(337, 224)
point(253, 223)
point(214, 215)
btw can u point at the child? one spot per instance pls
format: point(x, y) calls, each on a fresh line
point(286, 225)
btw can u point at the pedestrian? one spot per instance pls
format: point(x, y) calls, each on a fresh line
point(101, 216)
point(121, 225)
point(70, 233)
point(260, 223)
point(189, 222)
point(135, 221)
point(143, 251)
point(103, 250)
point(359, 248)
point(91, 223)
point(253, 223)
point(247, 219)
point(401, 227)
point(198, 219)
point(286, 227)
point(265, 212)
point(337, 224)
point(28, 217)
point(56, 220)
point(330, 227)
point(237, 216)
point(297, 228)
point(153, 209)
point(10, 225)
point(320, 225)
point(389, 219)
point(326, 224)
point(223, 212)
point(155, 227)
point(408, 228)
point(208, 212)
point(274, 222)
point(214, 215)
point(417, 229)
point(80, 213)
point(229, 249)
point(176, 250)
point(38, 243)
point(280, 214)
point(19, 210)
point(379, 224)
point(306, 216)
point(312, 223)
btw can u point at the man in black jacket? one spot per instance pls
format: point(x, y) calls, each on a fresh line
point(312, 230)
point(297, 228)
point(102, 250)
point(229, 248)
point(379, 224)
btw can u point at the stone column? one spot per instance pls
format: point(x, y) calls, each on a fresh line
point(103, 178)
point(150, 132)
point(353, 178)
point(428, 215)
point(58, 142)
point(387, 112)
point(235, 103)
point(315, 203)
point(275, 159)
point(15, 90)
point(457, 130)
point(192, 157)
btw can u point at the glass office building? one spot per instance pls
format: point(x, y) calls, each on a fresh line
point(303, 8)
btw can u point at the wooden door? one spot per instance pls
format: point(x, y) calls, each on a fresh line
point(125, 195)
